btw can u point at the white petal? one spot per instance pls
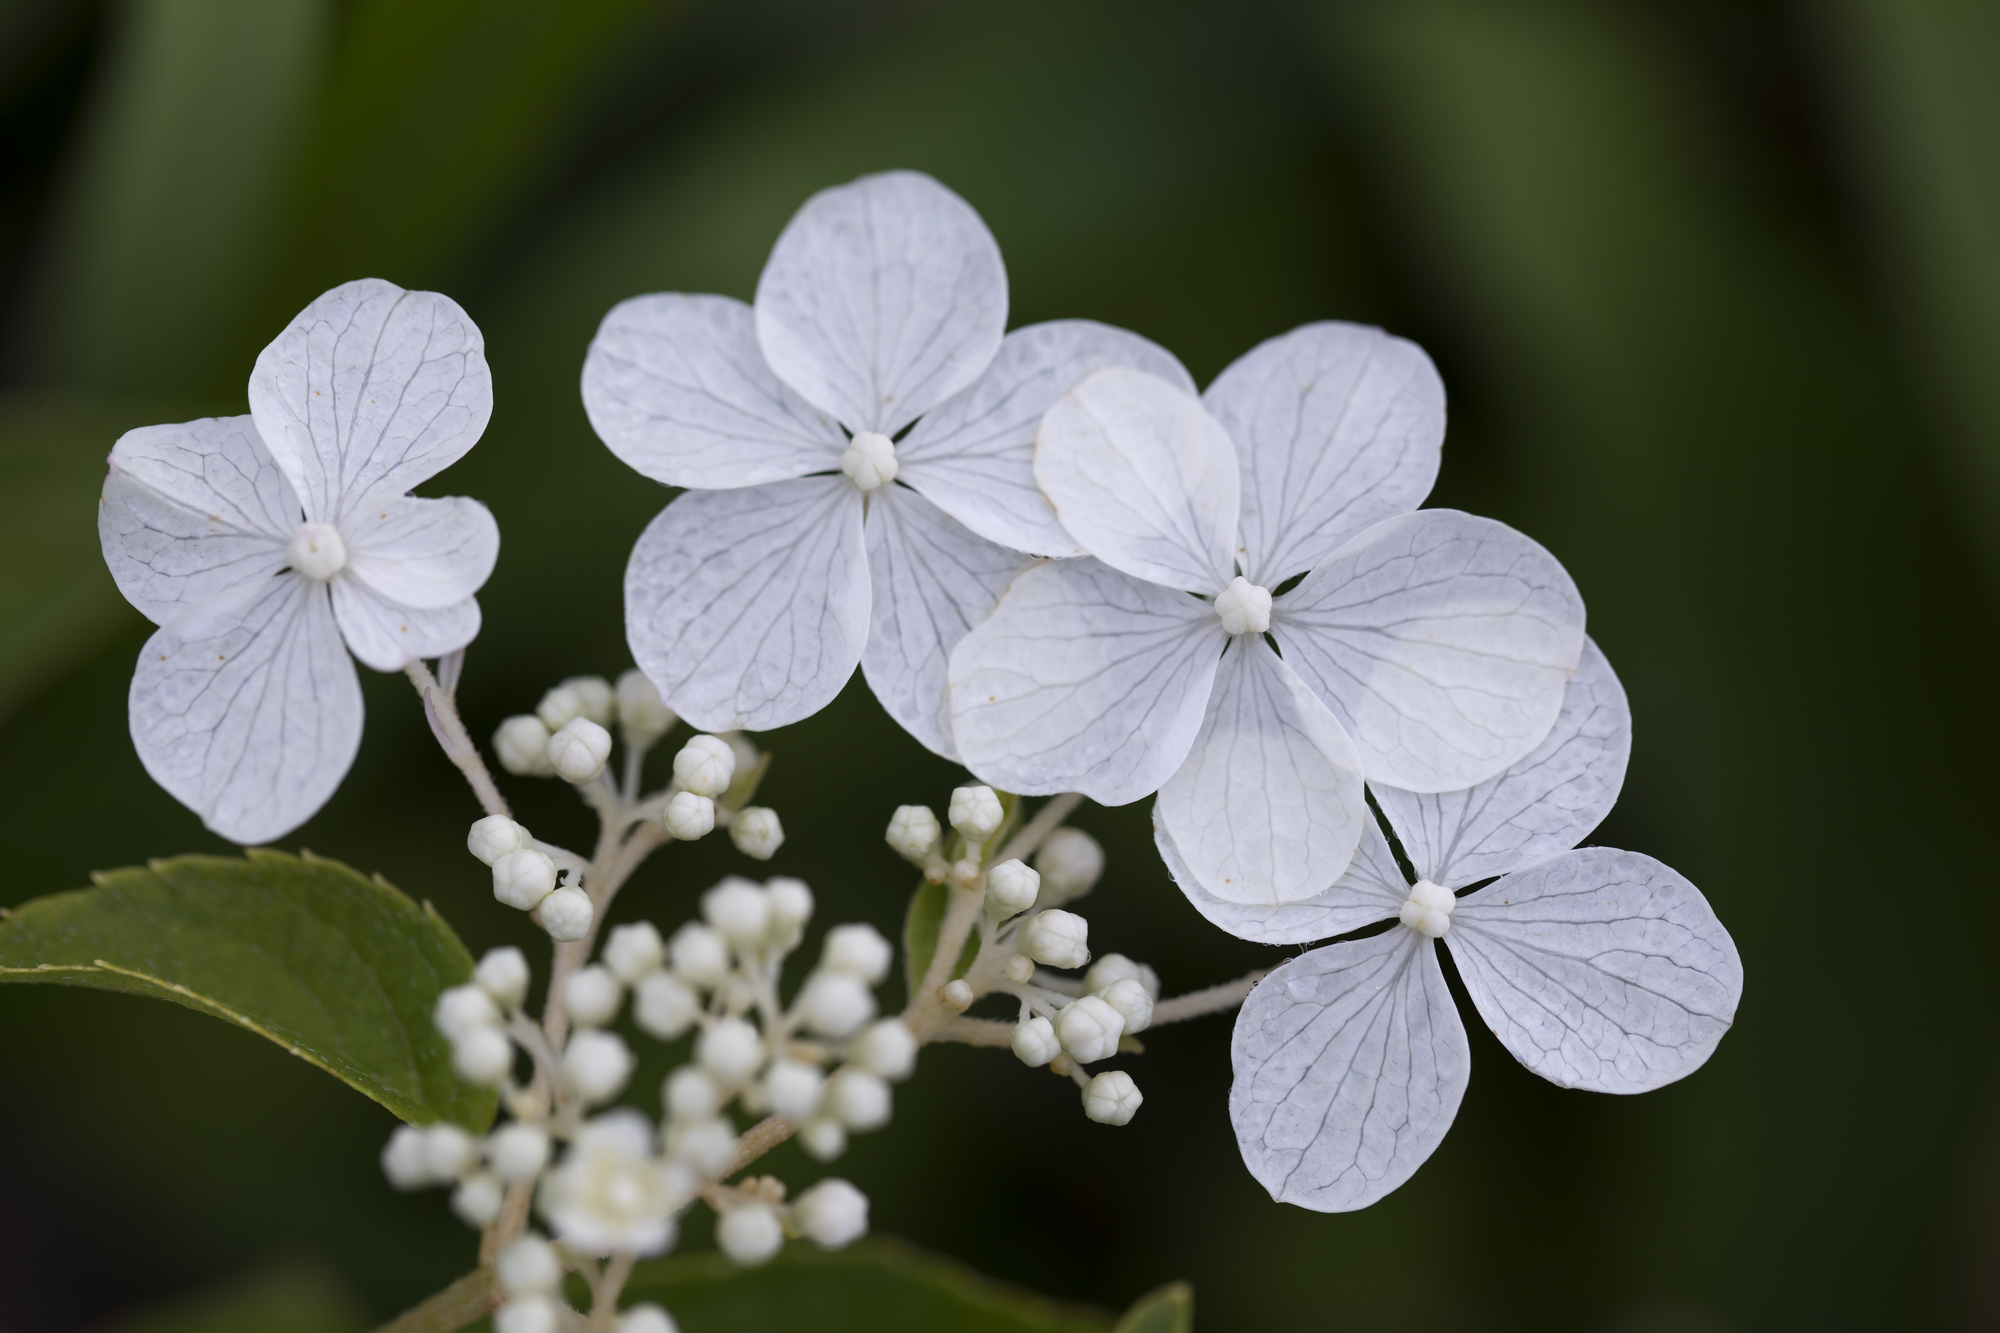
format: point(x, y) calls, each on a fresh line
point(389, 636)
point(1269, 807)
point(882, 298)
point(749, 608)
point(1143, 478)
point(678, 388)
point(1599, 969)
point(1441, 641)
point(191, 512)
point(1338, 426)
point(1546, 803)
point(1083, 679)
point(974, 457)
point(1350, 1065)
point(248, 710)
point(931, 580)
point(370, 391)
point(1372, 890)
point(422, 553)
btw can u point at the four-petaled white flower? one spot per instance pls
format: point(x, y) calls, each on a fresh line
point(752, 597)
point(260, 543)
point(1596, 968)
point(1427, 649)
point(612, 1192)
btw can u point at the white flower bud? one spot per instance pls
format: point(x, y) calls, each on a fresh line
point(530, 1314)
point(483, 1056)
point(823, 1138)
point(1116, 967)
point(587, 697)
point(690, 1094)
point(740, 912)
point(1428, 909)
point(1056, 939)
point(529, 1267)
point(1089, 1029)
point(1011, 887)
point(887, 1048)
point(757, 832)
point(477, 1201)
point(1019, 969)
point(664, 1007)
point(689, 817)
point(976, 813)
point(403, 1159)
point(503, 974)
point(647, 1318)
point(579, 750)
point(460, 1009)
point(522, 743)
point(1128, 996)
point(591, 996)
point(835, 1004)
point(858, 1099)
point(1035, 1042)
point(1244, 607)
point(317, 551)
point(634, 951)
point(858, 948)
point(749, 1233)
point(698, 956)
point(522, 879)
point(1070, 861)
point(791, 907)
point(957, 994)
point(913, 832)
point(449, 1151)
point(730, 1049)
point(706, 1145)
point(1111, 1098)
point(869, 460)
point(705, 766)
point(518, 1151)
point(567, 914)
point(793, 1088)
point(832, 1214)
point(595, 1065)
point(494, 836)
point(642, 714)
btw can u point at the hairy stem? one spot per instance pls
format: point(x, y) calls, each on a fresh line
point(757, 1140)
point(605, 1291)
point(472, 1297)
point(441, 710)
point(1213, 1000)
point(1045, 822)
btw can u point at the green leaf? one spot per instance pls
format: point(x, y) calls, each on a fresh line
point(339, 969)
point(920, 934)
point(291, 1297)
point(1168, 1310)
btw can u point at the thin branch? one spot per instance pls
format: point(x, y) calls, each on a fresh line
point(1023, 844)
point(1214, 1000)
point(757, 1140)
point(472, 1297)
point(978, 1032)
point(441, 710)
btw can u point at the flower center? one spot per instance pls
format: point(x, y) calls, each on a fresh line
point(1244, 607)
point(870, 461)
point(317, 551)
point(1428, 909)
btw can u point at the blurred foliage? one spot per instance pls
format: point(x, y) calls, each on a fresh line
point(1712, 284)
point(290, 1296)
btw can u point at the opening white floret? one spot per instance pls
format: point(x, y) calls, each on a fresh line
point(870, 461)
point(317, 551)
point(1244, 607)
point(1428, 909)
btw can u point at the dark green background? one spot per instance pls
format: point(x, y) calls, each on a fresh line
point(1715, 288)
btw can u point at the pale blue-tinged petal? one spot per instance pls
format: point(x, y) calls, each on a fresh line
point(1269, 806)
point(389, 636)
point(1143, 478)
point(1599, 969)
point(1338, 426)
point(974, 457)
point(931, 580)
point(678, 388)
point(1441, 641)
point(1546, 803)
point(369, 392)
point(1083, 679)
point(248, 710)
point(422, 553)
point(191, 512)
point(749, 608)
point(882, 298)
point(1372, 890)
point(1350, 1064)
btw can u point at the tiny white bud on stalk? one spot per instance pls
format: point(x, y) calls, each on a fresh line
point(858, 948)
point(698, 956)
point(757, 832)
point(460, 1009)
point(634, 951)
point(1428, 909)
point(1111, 1098)
point(823, 1138)
point(578, 751)
point(793, 1088)
point(870, 460)
point(1019, 969)
point(522, 879)
point(483, 1056)
point(642, 714)
point(1089, 1029)
point(518, 1151)
point(705, 766)
point(477, 1201)
point(403, 1159)
point(1035, 1042)
point(522, 743)
point(858, 1099)
point(449, 1151)
point(1244, 607)
point(494, 836)
point(664, 1007)
point(706, 1145)
point(913, 832)
point(591, 996)
point(596, 1065)
point(835, 1004)
point(730, 1049)
point(1128, 996)
point(587, 697)
point(1056, 939)
point(529, 1314)
point(567, 913)
point(647, 1318)
point(688, 817)
point(690, 1094)
point(832, 1214)
point(791, 907)
point(503, 974)
point(1116, 967)
point(976, 813)
point(740, 912)
point(529, 1267)
point(957, 994)
point(749, 1233)
point(1011, 887)
point(887, 1048)
point(1070, 861)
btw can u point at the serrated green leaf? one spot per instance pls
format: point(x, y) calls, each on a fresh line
point(339, 969)
point(921, 924)
point(1168, 1310)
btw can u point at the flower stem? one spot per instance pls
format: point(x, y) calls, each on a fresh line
point(441, 710)
point(472, 1297)
point(1213, 1000)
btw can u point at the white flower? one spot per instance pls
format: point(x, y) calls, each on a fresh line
point(752, 598)
point(1596, 968)
point(268, 547)
point(610, 1192)
point(1426, 649)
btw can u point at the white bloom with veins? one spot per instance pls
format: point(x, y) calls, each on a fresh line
point(821, 528)
point(268, 547)
point(1427, 649)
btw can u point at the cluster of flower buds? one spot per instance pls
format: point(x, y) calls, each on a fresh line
point(538, 878)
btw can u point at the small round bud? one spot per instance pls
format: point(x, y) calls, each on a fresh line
point(477, 1201)
point(740, 912)
point(1112, 967)
point(503, 974)
point(1019, 969)
point(835, 1004)
point(1035, 1042)
point(664, 1007)
point(317, 551)
point(1070, 861)
point(567, 914)
point(529, 1267)
point(579, 750)
point(791, 907)
point(689, 817)
point(957, 994)
point(1111, 1098)
point(858, 1099)
point(832, 1214)
point(823, 1138)
point(698, 956)
point(460, 1009)
point(634, 951)
point(976, 813)
point(706, 1145)
point(887, 1048)
point(749, 1233)
point(403, 1159)
point(793, 1088)
point(913, 832)
point(1089, 1029)
point(690, 1094)
point(596, 1065)
point(647, 1318)
point(518, 1151)
point(494, 836)
point(1428, 909)
point(757, 832)
point(449, 1151)
point(1056, 939)
point(1011, 887)
point(587, 697)
point(522, 879)
point(522, 743)
point(705, 766)
point(530, 1314)
point(869, 460)
point(1128, 996)
point(483, 1056)
point(858, 948)
point(642, 714)
point(591, 996)
point(730, 1049)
